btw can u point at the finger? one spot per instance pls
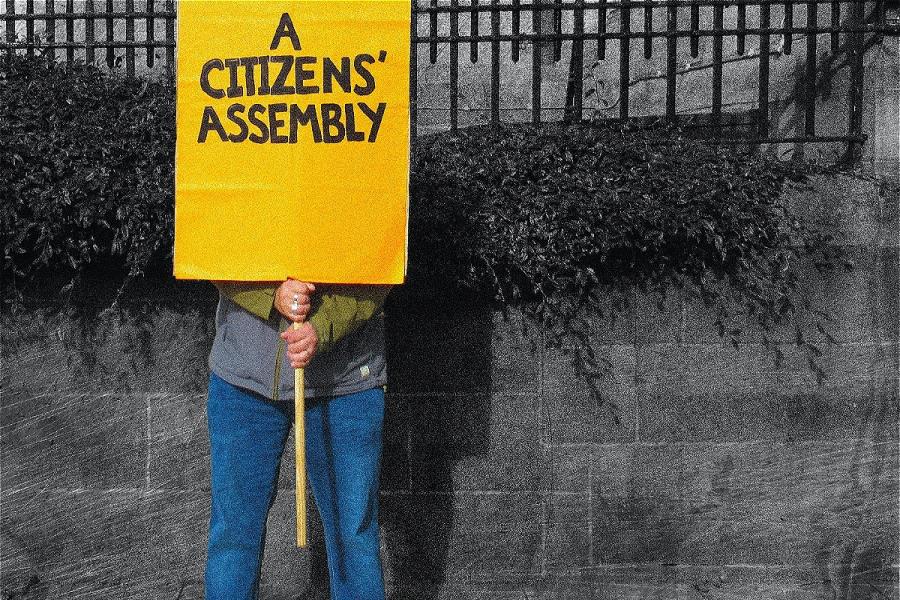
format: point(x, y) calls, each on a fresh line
point(300, 287)
point(300, 359)
point(289, 335)
point(305, 286)
point(301, 346)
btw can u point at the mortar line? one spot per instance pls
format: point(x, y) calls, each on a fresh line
point(147, 459)
point(590, 484)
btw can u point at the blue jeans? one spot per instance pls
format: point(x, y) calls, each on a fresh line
point(247, 434)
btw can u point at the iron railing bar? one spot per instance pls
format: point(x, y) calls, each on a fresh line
point(473, 29)
point(70, 31)
point(50, 26)
point(516, 25)
point(9, 18)
point(624, 60)
point(648, 27)
point(796, 139)
point(110, 52)
point(495, 66)
point(741, 26)
point(695, 28)
point(809, 99)
point(557, 28)
point(683, 33)
point(150, 32)
point(762, 127)
point(588, 4)
point(170, 35)
point(96, 45)
point(89, 45)
point(561, 6)
point(835, 22)
point(129, 37)
point(413, 75)
point(671, 61)
point(29, 25)
point(718, 24)
point(856, 80)
point(432, 30)
point(99, 14)
point(601, 31)
point(575, 85)
point(788, 25)
point(536, 68)
point(454, 69)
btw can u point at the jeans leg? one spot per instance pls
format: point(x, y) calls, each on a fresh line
point(343, 447)
point(247, 434)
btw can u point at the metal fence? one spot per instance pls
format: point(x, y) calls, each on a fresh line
point(67, 30)
point(127, 31)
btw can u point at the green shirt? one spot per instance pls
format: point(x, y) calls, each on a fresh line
point(348, 320)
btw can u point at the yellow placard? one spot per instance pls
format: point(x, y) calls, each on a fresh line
point(292, 152)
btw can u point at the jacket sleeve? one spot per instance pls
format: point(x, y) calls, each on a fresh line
point(341, 309)
point(256, 298)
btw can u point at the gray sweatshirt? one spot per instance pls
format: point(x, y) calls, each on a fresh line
point(248, 352)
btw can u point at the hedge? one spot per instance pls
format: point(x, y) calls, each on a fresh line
point(553, 219)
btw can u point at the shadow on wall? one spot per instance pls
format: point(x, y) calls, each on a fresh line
point(438, 413)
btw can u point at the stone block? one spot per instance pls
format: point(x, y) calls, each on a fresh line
point(73, 544)
point(570, 467)
point(889, 197)
point(886, 294)
point(471, 538)
point(78, 441)
point(443, 350)
point(746, 503)
point(858, 301)
point(128, 349)
point(571, 414)
point(635, 529)
point(515, 354)
point(636, 470)
point(612, 321)
point(457, 447)
point(477, 591)
point(716, 392)
point(845, 207)
point(658, 319)
point(611, 582)
point(567, 519)
point(858, 397)
point(177, 523)
point(452, 426)
point(178, 457)
point(707, 392)
point(765, 503)
point(395, 459)
point(792, 582)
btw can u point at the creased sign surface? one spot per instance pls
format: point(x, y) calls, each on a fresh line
point(292, 155)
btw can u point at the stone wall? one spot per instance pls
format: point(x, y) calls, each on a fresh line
point(706, 473)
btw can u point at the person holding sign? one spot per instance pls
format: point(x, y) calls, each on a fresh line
point(292, 166)
point(340, 343)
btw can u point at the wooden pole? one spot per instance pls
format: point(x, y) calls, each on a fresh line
point(300, 454)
